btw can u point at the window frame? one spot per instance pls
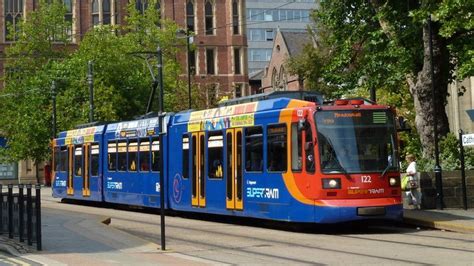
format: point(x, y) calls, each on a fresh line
point(209, 135)
point(114, 141)
point(94, 146)
point(245, 136)
point(119, 147)
point(135, 146)
point(139, 159)
point(185, 153)
point(267, 143)
point(209, 29)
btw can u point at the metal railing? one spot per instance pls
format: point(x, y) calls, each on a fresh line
point(15, 206)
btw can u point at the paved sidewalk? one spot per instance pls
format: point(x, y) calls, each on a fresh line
point(71, 238)
point(79, 239)
point(456, 220)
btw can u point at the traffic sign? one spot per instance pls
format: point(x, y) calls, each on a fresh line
point(468, 140)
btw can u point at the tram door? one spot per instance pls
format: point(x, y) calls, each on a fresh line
point(70, 172)
point(86, 173)
point(234, 169)
point(198, 175)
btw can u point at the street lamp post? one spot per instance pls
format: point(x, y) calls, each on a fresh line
point(189, 67)
point(53, 96)
point(161, 134)
point(90, 80)
point(437, 168)
point(185, 33)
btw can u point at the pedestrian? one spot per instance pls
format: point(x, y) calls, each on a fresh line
point(412, 193)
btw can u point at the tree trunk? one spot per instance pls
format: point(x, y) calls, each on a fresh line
point(422, 92)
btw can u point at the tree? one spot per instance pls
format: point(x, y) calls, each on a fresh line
point(386, 43)
point(122, 81)
point(25, 106)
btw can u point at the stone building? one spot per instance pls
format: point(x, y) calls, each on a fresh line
point(287, 44)
point(264, 18)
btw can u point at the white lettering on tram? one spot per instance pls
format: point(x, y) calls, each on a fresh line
point(263, 193)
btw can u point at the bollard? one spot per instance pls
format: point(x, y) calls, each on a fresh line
point(21, 209)
point(29, 225)
point(10, 211)
point(38, 217)
point(1, 209)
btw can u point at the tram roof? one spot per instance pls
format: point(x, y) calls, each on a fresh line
point(237, 109)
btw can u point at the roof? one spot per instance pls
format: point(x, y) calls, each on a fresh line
point(295, 41)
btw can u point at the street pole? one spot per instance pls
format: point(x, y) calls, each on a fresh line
point(372, 94)
point(90, 80)
point(189, 68)
point(161, 133)
point(53, 95)
point(437, 168)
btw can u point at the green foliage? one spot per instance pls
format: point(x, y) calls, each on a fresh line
point(379, 44)
point(122, 80)
point(449, 156)
point(25, 104)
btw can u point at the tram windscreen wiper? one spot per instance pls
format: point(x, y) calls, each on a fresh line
point(386, 169)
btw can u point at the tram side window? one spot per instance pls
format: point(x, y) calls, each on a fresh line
point(309, 150)
point(215, 154)
point(144, 155)
point(155, 155)
point(122, 156)
point(78, 161)
point(185, 156)
point(64, 159)
point(132, 156)
point(95, 160)
point(276, 148)
point(296, 148)
point(112, 156)
point(57, 159)
point(254, 149)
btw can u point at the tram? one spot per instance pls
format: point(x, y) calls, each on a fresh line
point(278, 156)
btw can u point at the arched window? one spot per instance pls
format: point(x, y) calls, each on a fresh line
point(209, 20)
point(13, 15)
point(235, 17)
point(190, 16)
point(274, 79)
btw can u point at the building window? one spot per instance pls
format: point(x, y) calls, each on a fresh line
point(68, 18)
point(235, 17)
point(209, 17)
point(105, 12)
point(13, 16)
point(237, 61)
point(190, 16)
point(210, 62)
point(261, 35)
point(142, 5)
point(260, 54)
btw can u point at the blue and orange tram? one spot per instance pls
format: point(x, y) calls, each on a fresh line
point(278, 158)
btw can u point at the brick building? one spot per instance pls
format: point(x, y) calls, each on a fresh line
point(219, 62)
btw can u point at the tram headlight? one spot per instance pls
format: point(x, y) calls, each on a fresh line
point(393, 181)
point(331, 183)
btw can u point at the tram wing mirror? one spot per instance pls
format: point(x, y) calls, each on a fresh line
point(402, 124)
